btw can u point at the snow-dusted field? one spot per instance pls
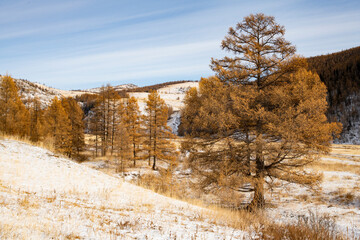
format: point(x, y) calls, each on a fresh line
point(173, 95)
point(338, 196)
point(45, 196)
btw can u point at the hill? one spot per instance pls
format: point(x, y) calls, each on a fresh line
point(29, 90)
point(45, 196)
point(341, 74)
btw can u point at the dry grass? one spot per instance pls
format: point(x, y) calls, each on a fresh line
point(345, 197)
point(312, 227)
point(26, 202)
point(339, 167)
point(345, 149)
point(7, 231)
point(47, 143)
point(215, 214)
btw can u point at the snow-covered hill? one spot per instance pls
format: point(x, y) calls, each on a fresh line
point(45, 94)
point(172, 94)
point(116, 88)
point(45, 196)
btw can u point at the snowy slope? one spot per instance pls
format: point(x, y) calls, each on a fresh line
point(44, 196)
point(173, 95)
point(45, 94)
point(116, 88)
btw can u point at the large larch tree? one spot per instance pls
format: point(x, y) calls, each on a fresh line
point(262, 116)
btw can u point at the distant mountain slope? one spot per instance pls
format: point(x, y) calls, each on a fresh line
point(118, 88)
point(173, 94)
point(159, 86)
point(29, 90)
point(341, 74)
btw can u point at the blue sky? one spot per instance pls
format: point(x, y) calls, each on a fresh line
point(77, 44)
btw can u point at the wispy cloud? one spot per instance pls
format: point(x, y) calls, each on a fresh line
point(69, 44)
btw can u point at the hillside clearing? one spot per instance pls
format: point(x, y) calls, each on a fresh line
point(45, 196)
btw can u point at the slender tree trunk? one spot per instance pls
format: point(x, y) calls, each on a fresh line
point(150, 134)
point(113, 127)
point(155, 136)
point(248, 157)
point(134, 152)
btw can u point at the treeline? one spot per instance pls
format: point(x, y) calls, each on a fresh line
point(115, 124)
point(154, 87)
point(341, 74)
point(60, 123)
point(120, 129)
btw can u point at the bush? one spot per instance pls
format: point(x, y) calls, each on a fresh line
point(312, 227)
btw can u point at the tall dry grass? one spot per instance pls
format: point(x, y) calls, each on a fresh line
point(47, 143)
point(338, 167)
point(311, 227)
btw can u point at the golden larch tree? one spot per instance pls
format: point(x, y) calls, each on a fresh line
point(122, 141)
point(76, 115)
point(132, 121)
point(14, 117)
point(59, 126)
point(158, 135)
point(37, 120)
point(106, 116)
point(262, 116)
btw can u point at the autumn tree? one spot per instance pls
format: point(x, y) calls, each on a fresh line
point(132, 121)
point(59, 126)
point(37, 120)
point(262, 116)
point(158, 135)
point(105, 114)
point(122, 141)
point(76, 116)
point(14, 117)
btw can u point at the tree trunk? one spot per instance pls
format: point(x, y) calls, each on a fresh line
point(258, 201)
point(248, 155)
point(134, 154)
point(154, 163)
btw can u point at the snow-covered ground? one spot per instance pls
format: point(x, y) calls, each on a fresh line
point(173, 95)
point(338, 196)
point(174, 122)
point(45, 196)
